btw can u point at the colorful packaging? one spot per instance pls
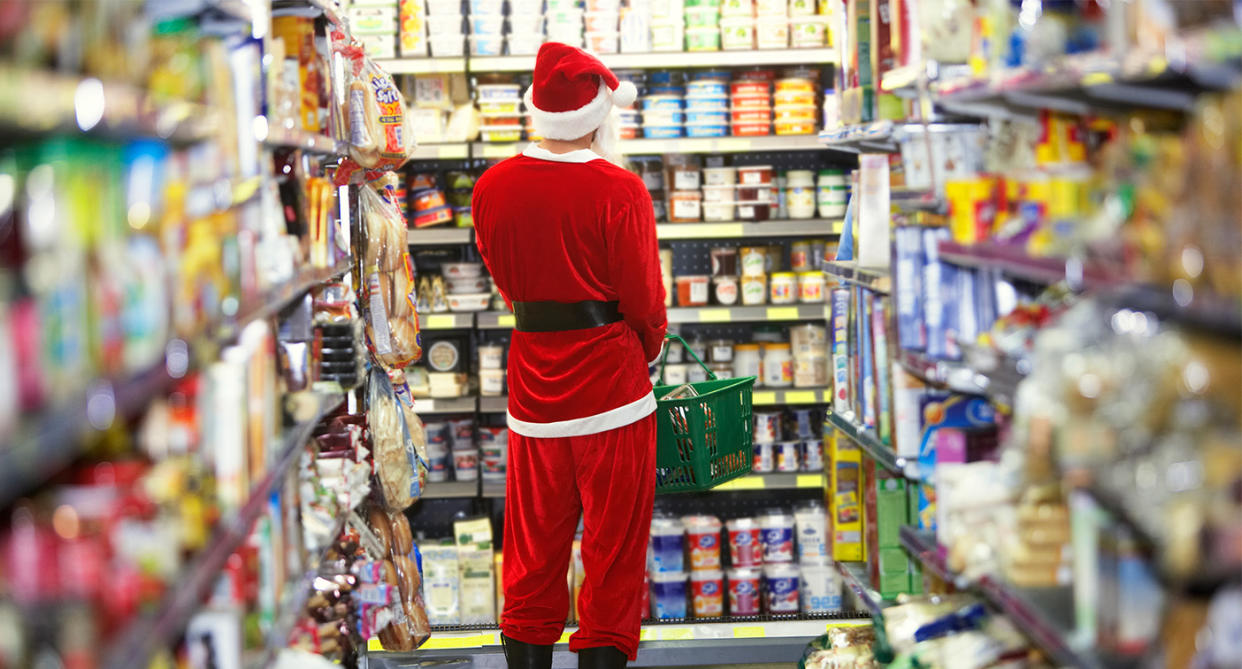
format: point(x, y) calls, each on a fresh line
point(840, 352)
point(778, 537)
point(821, 589)
point(811, 523)
point(668, 595)
point(846, 503)
point(668, 545)
point(707, 593)
point(744, 587)
point(745, 542)
point(781, 588)
point(703, 538)
point(765, 459)
point(786, 453)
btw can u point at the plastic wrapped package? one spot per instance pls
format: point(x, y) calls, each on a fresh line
point(396, 461)
point(379, 133)
point(388, 294)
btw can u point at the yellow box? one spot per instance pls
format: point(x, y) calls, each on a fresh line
point(845, 499)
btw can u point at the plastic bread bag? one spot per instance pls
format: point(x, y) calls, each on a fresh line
point(388, 292)
point(412, 422)
point(374, 110)
point(396, 463)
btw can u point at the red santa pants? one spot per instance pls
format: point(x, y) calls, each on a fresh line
point(608, 479)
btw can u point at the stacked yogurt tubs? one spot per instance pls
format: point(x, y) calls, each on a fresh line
point(526, 22)
point(444, 21)
point(500, 106)
point(663, 112)
point(564, 22)
point(707, 105)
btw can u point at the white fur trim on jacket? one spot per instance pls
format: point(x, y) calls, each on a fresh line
point(574, 123)
point(577, 427)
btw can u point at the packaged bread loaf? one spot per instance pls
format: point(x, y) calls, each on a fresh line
point(388, 294)
point(396, 465)
point(379, 135)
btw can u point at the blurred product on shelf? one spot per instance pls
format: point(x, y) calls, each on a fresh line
point(842, 647)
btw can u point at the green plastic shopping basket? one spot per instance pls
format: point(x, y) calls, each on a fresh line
point(702, 441)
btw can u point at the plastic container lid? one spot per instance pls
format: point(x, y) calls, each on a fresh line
point(668, 576)
point(666, 526)
point(707, 575)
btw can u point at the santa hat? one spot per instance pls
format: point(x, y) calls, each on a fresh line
point(572, 92)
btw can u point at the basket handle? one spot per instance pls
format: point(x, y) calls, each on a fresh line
point(668, 337)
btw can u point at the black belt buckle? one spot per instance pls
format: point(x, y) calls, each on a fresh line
point(548, 316)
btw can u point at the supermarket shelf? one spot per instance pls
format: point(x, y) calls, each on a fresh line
point(883, 455)
point(493, 404)
point(912, 199)
point(453, 405)
point(1015, 262)
point(748, 229)
point(1043, 614)
point(867, 138)
point(788, 634)
point(854, 575)
point(665, 60)
point(876, 279)
point(788, 396)
point(296, 138)
point(280, 298)
point(793, 312)
point(901, 79)
point(439, 236)
point(422, 65)
point(451, 489)
point(142, 637)
point(495, 320)
point(678, 145)
point(1209, 313)
point(69, 103)
point(54, 439)
point(993, 374)
point(450, 321)
point(1090, 82)
point(458, 151)
point(293, 605)
point(769, 481)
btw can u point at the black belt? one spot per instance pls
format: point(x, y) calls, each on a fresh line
point(560, 316)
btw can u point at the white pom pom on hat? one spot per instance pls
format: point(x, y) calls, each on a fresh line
point(572, 92)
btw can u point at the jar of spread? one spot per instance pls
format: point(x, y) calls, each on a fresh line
point(747, 361)
point(685, 172)
point(692, 291)
point(720, 350)
point(777, 365)
point(800, 194)
point(724, 261)
point(754, 289)
point(754, 261)
point(784, 289)
point(800, 256)
point(722, 370)
point(685, 206)
point(811, 286)
point(726, 289)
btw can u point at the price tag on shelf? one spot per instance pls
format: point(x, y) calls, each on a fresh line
point(646, 634)
point(743, 483)
point(507, 321)
point(677, 634)
point(1096, 78)
point(714, 316)
point(810, 480)
point(749, 632)
point(733, 144)
point(766, 397)
point(440, 322)
point(801, 397)
point(783, 313)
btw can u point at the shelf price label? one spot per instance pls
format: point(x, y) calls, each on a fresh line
point(714, 315)
point(783, 313)
point(733, 144)
point(749, 632)
point(801, 397)
point(763, 398)
point(440, 322)
point(677, 634)
point(810, 480)
point(743, 483)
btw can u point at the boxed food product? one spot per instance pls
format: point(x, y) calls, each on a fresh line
point(845, 511)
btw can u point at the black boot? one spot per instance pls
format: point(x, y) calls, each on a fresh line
point(605, 657)
point(522, 655)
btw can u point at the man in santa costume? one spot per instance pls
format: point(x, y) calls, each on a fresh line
point(570, 240)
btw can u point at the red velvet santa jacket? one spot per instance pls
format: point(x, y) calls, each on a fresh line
point(568, 228)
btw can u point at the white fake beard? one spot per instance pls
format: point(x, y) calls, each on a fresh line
point(606, 137)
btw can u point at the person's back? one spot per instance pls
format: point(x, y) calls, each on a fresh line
point(570, 228)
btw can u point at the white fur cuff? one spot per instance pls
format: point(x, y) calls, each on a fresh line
point(574, 123)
